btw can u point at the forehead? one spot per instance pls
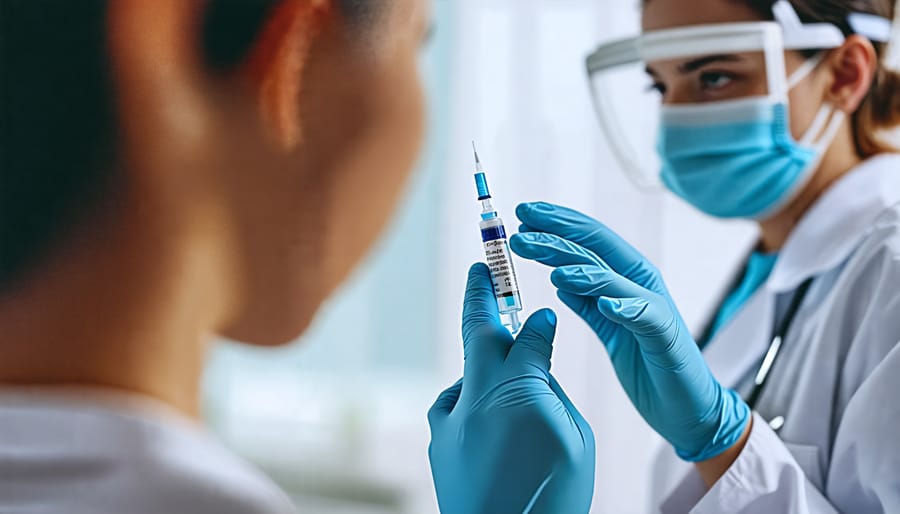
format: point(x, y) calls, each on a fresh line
point(666, 14)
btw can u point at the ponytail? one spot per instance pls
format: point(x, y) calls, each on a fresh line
point(879, 112)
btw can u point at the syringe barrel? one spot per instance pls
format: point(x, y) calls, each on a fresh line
point(499, 260)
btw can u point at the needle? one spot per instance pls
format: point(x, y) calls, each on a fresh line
point(477, 160)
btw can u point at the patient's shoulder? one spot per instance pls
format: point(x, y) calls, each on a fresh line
point(59, 457)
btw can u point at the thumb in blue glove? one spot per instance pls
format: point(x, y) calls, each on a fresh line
point(505, 438)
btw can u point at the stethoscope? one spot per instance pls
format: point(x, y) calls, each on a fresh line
point(764, 372)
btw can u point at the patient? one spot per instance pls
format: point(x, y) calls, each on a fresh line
point(170, 170)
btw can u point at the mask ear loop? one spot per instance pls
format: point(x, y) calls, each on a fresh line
point(837, 120)
point(826, 137)
point(805, 70)
point(818, 123)
point(825, 113)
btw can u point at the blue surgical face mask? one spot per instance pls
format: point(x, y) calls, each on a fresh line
point(737, 159)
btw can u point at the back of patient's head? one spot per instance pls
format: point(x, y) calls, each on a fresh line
point(216, 144)
point(59, 143)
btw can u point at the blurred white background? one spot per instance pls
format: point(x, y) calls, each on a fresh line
point(339, 418)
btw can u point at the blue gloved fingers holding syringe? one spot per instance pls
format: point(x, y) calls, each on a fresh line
point(505, 438)
point(624, 300)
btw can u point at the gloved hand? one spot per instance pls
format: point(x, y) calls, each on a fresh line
point(505, 439)
point(623, 299)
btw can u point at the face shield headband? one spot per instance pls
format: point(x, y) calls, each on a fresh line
point(768, 39)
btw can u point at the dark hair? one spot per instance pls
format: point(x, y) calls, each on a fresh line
point(58, 127)
point(57, 124)
point(881, 108)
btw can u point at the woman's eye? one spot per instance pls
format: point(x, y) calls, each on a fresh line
point(715, 80)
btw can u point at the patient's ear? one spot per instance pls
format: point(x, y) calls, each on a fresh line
point(278, 61)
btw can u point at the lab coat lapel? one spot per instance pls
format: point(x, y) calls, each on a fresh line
point(838, 222)
point(743, 341)
point(824, 238)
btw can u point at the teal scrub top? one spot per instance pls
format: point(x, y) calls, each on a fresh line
point(758, 269)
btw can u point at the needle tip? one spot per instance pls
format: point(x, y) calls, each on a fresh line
point(477, 160)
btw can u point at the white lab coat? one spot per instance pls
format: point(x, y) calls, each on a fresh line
point(99, 452)
point(837, 380)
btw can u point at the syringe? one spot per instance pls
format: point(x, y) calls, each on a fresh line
point(496, 250)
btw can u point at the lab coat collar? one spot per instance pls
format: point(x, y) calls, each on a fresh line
point(93, 398)
point(837, 223)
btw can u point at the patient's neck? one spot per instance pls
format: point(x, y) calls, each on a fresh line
point(126, 306)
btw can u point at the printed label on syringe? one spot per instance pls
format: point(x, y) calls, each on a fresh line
point(499, 259)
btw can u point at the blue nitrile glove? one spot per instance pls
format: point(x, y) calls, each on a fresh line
point(623, 298)
point(505, 439)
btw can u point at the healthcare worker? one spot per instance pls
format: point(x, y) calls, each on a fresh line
point(770, 111)
point(174, 169)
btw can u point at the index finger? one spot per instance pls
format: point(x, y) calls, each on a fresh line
point(592, 235)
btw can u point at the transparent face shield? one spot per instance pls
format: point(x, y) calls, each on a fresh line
point(696, 71)
point(716, 66)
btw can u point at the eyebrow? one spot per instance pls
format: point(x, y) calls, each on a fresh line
point(696, 64)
